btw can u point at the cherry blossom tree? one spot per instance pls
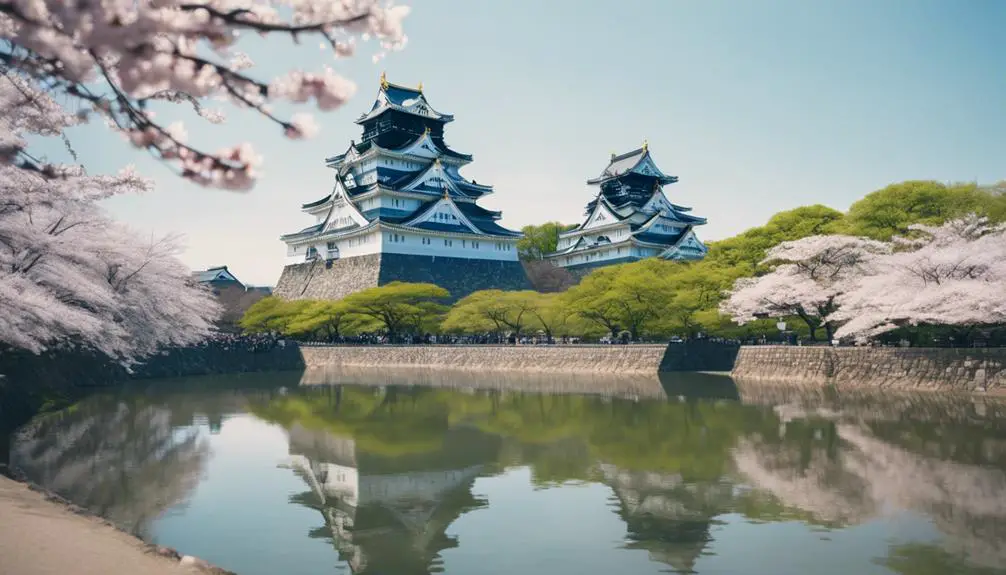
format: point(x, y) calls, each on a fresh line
point(68, 272)
point(811, 274)
point(113, 58)
point(954, 274)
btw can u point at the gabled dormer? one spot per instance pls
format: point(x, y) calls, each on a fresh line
point(434, 179)
point(687, 248)
point(342, 212)
point(444, 215)
point(602, 214)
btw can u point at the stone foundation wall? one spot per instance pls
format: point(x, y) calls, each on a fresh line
point(339, 278)
point(614, 359)
point(328, 280)
point(460, 276)
point(900, 368)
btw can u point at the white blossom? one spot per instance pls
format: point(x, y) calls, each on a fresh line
point(811, 273)
point(954, 274)
point(115, 56)
point(68, 272)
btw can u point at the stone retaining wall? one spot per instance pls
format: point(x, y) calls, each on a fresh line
point(617, 359)
point(606, 384)
point(333, 280)
point(885, 367)
point(338, 278)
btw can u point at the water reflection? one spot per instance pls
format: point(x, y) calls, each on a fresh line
point(389, 471)
point(121, 459)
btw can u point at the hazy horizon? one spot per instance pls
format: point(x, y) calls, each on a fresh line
point(757, 107)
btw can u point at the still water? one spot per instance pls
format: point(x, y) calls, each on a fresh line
point(373, 474)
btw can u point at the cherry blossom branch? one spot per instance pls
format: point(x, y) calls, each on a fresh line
point(148, 51)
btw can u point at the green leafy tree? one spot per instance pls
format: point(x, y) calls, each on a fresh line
point(747, 249)
point(399, 307)
point(328, 319)
point(553, 315)
point(478, 312)
point(628, 296)
point(642, 293)
point(271, 314)
point(694, 288)
point(592, 299)
point(492, 311)
point(540, 240)
point(889, 211)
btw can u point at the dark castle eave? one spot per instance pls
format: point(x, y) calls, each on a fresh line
point(395, 96)
point(630, 161)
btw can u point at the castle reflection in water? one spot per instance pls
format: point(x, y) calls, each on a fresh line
point(390, 468)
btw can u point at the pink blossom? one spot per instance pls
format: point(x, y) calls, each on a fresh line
point(954, 274)
point(68, 272)
point(182, 52)
point(811, 274)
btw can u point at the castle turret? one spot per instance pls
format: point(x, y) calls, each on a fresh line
point(630, 218)
point(399, 195)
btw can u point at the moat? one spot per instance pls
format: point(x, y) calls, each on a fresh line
point(367, 473)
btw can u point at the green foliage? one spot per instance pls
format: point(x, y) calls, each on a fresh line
point(555, 318)
point(745, 251)
point(329, 320)
point(929, 559)
point(540, 240)
point(691, 439)
point(399, 307)
point(271, 314)
point(493, 311)
point(889, 211)
point(501, 313)
point(395, 309)
point(594, 299)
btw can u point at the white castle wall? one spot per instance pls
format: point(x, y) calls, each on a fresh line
point(412, 244)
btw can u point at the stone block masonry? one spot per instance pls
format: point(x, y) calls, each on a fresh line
point(597, 359)
point(877, 367)
point(323, 280)
point(339, 278)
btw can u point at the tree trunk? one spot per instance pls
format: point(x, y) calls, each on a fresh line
point(812, 324)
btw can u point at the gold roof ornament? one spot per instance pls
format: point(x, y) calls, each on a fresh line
point(420, 88)
point(646, 144)
point(384, 80)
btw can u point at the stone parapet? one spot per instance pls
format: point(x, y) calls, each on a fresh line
point(613, 359)
point(883, 367)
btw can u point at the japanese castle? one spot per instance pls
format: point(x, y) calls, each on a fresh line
point(399, 191)
point(630, 218)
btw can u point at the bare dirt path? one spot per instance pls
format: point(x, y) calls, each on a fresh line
point(41, 537)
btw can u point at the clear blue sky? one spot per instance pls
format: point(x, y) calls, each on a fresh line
point(757, 106)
